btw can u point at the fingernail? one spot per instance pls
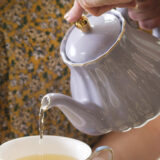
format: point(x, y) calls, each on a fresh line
point(67, 16)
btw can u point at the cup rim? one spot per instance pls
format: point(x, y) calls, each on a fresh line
point(45, 136)
point(48, 140)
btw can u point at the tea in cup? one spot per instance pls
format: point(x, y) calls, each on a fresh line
point(50, 148)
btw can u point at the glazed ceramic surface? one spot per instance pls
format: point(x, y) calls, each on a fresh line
point(115, 76)
point(51, 145)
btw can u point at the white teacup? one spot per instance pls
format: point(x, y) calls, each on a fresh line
point(32, 145)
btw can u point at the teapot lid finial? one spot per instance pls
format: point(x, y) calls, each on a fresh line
point(83, 24)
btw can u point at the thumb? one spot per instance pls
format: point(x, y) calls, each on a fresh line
point(74, 13)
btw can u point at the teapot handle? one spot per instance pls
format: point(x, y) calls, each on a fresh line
point(103, 153)
point(124, 12)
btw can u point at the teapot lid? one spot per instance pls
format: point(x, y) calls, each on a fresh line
point(105, 30)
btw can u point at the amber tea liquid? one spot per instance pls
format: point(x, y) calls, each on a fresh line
point(47, 157)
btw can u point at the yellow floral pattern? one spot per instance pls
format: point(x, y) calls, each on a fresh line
point(31, 66)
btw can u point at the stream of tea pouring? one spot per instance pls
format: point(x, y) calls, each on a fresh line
point(41, 122)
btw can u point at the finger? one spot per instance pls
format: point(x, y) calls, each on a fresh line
point(75, 12)
point(117, 2)
point(147, 5)
point(97, 11)
point(141, 16)
point(150, 24)
point(141, 1)
point(127, 5)
point(100, 3)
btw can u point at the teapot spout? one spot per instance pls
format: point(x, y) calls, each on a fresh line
point(86, 117)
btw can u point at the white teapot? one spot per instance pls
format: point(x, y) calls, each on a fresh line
point(115, 76)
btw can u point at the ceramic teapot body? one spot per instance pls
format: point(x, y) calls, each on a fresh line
point(113, 90)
